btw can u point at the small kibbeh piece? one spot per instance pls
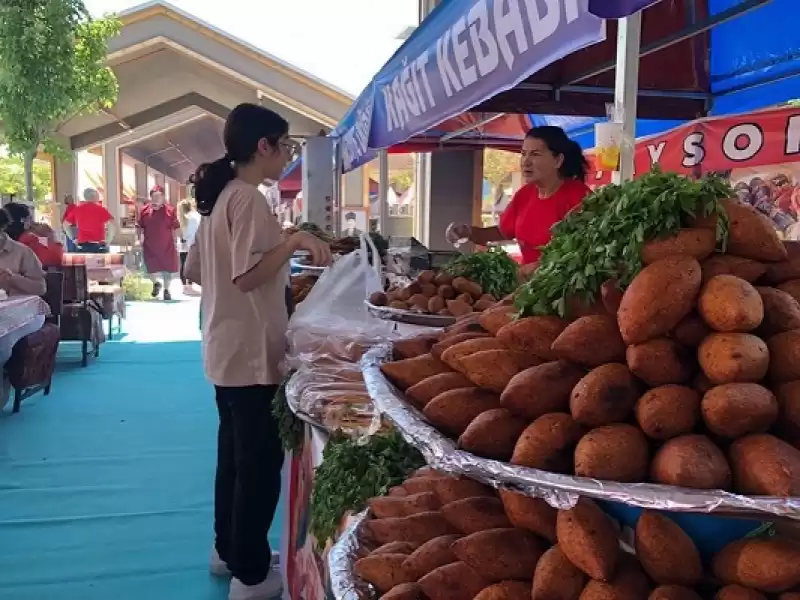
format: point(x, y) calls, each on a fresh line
point(548, 443)
point(668, 411)
point(541, 389)
point(590, 342)
point(658, 298)
point(588, 539)
point(667, 554)
point(532, 334)
point(763, 465)
point(735, 357)
point(691, 461)
point(617, 452)
point(606, 395)
point(730, 304)
point(736, 409)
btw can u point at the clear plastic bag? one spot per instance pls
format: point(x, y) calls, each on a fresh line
point(333, 320)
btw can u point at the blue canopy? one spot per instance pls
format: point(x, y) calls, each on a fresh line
point(753, 62)
point(462, 54)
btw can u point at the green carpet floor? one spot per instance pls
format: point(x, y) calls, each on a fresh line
point(106, 484)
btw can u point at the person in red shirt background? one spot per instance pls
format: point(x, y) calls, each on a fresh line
point(95, 225)
point(70, 230)
point(39, 237)
point(554, 171)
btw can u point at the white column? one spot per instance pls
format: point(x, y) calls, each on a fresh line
point(626, 88)
point(318, 183)
point(140, 171)
point(383, 193)
point(111, 177)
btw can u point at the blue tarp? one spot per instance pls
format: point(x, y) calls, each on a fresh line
point(463, 53)
point(754, 63)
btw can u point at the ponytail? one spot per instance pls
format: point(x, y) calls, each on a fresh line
point(575, 165)
point(209, 180)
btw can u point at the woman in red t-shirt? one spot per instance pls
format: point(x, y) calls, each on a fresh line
point(554, 170)
point(39, 237)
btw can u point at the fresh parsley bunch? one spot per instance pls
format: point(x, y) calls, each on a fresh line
point(352, 472)
point(494, 270)
point(290, 429)
point(602, 240)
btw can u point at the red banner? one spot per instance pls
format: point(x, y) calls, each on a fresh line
point(720, 144)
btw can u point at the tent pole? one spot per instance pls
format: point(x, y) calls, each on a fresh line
point(383, 192)
point(422, 170)
point(629, 35)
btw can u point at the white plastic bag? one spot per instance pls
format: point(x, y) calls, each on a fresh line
point(335, 308)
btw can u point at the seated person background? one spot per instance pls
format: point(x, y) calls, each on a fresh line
point(39, 237)
point(21, 272)
point(94, 223)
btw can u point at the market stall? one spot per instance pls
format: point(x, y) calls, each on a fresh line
point(633, 432)
point(375, 123)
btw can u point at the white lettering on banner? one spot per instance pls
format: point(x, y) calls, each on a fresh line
point(507, 22)
point(471, 48)
point(543, 26)
point(392, 122)
point(693, 151)
point(742, 142)
point(446, 71)
point(418, 73)
point(409, 93)
point(355, 139)
point(655, 152)
point(792, 136)
point(484, 43)
point(469, 74)
point(399, 102)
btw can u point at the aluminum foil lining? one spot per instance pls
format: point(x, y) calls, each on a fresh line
point(560, 491)
point(345, 584)
point(326, 398)
point(397, 315)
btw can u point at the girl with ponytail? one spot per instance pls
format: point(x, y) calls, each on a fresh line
point(554, 172)
point(240, 258)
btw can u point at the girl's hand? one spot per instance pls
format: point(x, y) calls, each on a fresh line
point(320, 252)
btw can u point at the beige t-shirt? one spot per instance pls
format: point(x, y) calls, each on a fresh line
point(244, 334)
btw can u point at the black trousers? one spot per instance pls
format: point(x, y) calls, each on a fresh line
point(182, 258)
point(248, 481)
point(93, 248)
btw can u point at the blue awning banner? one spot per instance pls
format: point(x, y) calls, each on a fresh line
point(467, 51)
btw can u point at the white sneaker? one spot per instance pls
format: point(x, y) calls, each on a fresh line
point(271, 587)
point(217, 566)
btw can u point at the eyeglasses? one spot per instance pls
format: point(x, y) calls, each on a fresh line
point(293, 148)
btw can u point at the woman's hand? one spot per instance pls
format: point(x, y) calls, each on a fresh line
point(320, 251)
point(457, 232)
point(525, 271)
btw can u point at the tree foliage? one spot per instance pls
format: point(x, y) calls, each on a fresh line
point(401, 180)
point(498, 165)
point(52, 69)
point(12, 179)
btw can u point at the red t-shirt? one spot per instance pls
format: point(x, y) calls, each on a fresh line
point(90, 218)
point(529, 218)
point(50, 255)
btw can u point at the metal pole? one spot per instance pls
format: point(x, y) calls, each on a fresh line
point(629, 35)
point(383, 193)
point(422, 179)
point(336, 208)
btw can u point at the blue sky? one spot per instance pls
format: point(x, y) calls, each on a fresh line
point(344, 42)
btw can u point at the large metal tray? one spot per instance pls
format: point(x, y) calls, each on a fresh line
point(406, 316)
